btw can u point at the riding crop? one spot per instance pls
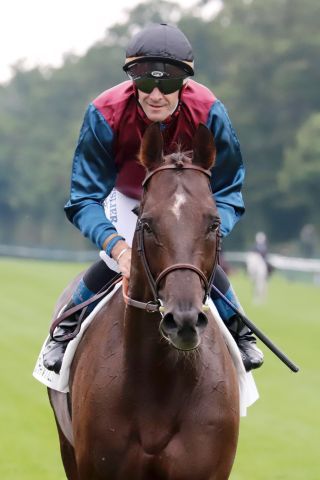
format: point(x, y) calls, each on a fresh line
point(264, 339)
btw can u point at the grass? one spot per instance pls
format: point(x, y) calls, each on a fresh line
point(278, 440)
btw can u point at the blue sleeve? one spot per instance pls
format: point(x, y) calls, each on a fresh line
point(228, 171)
point(92, 179)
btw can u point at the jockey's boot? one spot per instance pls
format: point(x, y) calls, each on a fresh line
point(94, 279)
point(55, 348)
point(252, 356)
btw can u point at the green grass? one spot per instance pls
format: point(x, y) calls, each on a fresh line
point(278, 440)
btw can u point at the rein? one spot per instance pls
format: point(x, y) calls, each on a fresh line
point(155, 304)
point(81, 307)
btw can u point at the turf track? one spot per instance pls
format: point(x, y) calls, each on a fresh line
point(278, 440)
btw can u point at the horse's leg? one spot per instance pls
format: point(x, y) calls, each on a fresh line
point(59, 405)
point(261, 288)
point(68, 456)
point(257, 289)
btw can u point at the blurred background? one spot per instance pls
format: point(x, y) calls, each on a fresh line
point(261, 58)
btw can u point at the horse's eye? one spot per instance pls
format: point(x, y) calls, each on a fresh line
point(147, 227)
point(214, 226)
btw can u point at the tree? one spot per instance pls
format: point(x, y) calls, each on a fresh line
point(299, 178)
point(260, 58)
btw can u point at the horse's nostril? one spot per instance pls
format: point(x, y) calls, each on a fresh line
point(168, 323)
point(202, 321)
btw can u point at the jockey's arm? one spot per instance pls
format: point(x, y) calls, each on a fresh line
point(93, 178)
point(228, 171)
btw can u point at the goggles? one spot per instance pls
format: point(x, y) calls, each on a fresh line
point(166, 86)
point(166, 75)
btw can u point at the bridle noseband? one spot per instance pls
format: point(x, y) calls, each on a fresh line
point(155, 304)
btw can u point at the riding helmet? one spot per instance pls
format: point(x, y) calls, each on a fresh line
point(164, 45)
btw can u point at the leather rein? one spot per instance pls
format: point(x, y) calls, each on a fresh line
point(155, 304)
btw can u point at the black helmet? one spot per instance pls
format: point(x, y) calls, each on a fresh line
point(163, 45)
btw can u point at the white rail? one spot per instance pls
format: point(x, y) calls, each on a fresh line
point(38, 253)
point(280, 262)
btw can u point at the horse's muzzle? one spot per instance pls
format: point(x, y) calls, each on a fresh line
point(183, 329)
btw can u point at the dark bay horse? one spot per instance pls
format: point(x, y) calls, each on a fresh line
point(154, 396)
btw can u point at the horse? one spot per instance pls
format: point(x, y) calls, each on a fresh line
point(154, 393)
point(257, 270)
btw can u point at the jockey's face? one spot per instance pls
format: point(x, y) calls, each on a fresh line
point(158, 106)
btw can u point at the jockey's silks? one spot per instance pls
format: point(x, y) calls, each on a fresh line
point(109, 141)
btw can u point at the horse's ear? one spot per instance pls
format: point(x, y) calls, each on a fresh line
point(204, 150)
point(151, 149)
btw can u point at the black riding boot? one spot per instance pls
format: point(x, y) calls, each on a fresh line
point(54, 350)
point(252, 356)
point(94, 279)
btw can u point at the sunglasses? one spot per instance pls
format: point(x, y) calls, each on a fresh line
point(166, 86)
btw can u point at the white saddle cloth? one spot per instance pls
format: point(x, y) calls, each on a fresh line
point(60, 382)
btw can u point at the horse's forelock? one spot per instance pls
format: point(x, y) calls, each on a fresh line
point(178, 158)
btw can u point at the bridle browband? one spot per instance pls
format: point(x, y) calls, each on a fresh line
point(155, 304)
point(178, 166)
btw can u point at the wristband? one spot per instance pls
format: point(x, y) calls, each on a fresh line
point(121, 253)
point(108, 239)
point(112, 243)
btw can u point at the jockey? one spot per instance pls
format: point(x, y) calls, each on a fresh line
point(261, 247)
point(261, 244)
point(106, 177)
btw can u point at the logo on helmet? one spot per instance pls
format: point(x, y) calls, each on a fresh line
point(157, 74)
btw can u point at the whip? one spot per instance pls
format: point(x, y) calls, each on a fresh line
point(264, 339)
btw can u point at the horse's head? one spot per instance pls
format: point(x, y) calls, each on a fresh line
point(178, 233)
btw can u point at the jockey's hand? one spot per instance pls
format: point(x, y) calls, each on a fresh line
point(121, 253)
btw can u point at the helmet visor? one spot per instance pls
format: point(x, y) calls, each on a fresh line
point(139, 68)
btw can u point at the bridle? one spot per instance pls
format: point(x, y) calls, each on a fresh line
point(155, 304)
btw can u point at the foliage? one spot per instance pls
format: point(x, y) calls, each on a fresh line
point(301, 168)
point(260, 58)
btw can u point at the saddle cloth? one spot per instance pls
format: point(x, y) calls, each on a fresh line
point(60, 382)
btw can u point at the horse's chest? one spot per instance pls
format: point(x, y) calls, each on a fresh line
point(154, 433)
point(167, 449)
